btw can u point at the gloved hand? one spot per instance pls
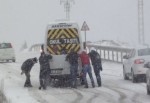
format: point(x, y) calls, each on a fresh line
point(101, 69)
point(22, 73)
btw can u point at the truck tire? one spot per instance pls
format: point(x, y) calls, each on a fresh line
point(13, 60)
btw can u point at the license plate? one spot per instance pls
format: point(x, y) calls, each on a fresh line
point(56, 71)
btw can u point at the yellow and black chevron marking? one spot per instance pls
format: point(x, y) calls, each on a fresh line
point(70, 39)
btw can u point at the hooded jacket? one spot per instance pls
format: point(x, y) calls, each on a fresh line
point(44, 62)
point(27, 65)
point(72, 57)
point(95, 59)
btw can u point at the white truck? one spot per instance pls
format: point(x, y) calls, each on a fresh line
point(60, 39)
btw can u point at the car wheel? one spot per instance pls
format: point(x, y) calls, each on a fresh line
point(148, 91)
point(134, 79)
point(125, 75)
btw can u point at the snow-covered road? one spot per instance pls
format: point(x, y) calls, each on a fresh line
point(114, 89)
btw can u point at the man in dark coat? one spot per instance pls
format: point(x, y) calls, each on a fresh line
point(26, 68)
point(44, 69)
point(72, 58)
point(97, 66)
point(86, 68)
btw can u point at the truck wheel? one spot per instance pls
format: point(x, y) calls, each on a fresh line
point(125, 75)
point(14, 60)
point(148, 91)
point(134, 79)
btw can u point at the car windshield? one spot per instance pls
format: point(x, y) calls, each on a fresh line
point(143, 52)
point(5, 45)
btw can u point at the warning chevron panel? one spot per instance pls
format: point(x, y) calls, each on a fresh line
point(60, 40)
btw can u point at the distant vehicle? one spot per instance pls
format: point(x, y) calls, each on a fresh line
point(7, 52)
point(60, 39)
point(133, 65)
point(147, 65)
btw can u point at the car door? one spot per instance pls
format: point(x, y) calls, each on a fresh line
point(2, 52)
point(130, 61)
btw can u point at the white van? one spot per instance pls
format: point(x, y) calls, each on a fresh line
point(60, 39)
point(7, 52)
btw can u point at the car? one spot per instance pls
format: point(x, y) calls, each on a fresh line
point(7, 52)
point(148, 81)
point(133, 64)
point(147, 65)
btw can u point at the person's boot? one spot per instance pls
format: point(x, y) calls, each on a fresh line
point(82, 82)
point(74, 86)
point(93, 85)
point(25, 85)
point(99, 84)
point(86, 86)
point(40, 88)
point(44, 87)
point(30, 85)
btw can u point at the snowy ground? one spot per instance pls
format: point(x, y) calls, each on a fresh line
point(114, 89)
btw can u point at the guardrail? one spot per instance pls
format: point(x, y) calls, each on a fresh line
point(35, 47)
point(109, 53)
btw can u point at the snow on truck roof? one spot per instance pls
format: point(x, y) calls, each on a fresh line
point(61, 22)
point(56, 25)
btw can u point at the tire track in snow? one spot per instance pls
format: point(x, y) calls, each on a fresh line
point(123, 97)
point(93, 97)
point(35, 94)
point(97, 93)
point(78, 98)
point(135, 97)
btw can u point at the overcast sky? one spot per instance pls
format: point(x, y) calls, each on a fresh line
point(26, 20)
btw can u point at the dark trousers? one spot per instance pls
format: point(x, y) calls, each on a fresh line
point(44, 78)
point(27, 82)
point(73, 72)
point(97, 74)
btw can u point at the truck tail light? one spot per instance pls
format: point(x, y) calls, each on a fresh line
point(10, 46)
point(139, 61)
point(41, 50)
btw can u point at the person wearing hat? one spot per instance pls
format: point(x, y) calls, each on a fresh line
point(97, 65)
point(26, 68)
